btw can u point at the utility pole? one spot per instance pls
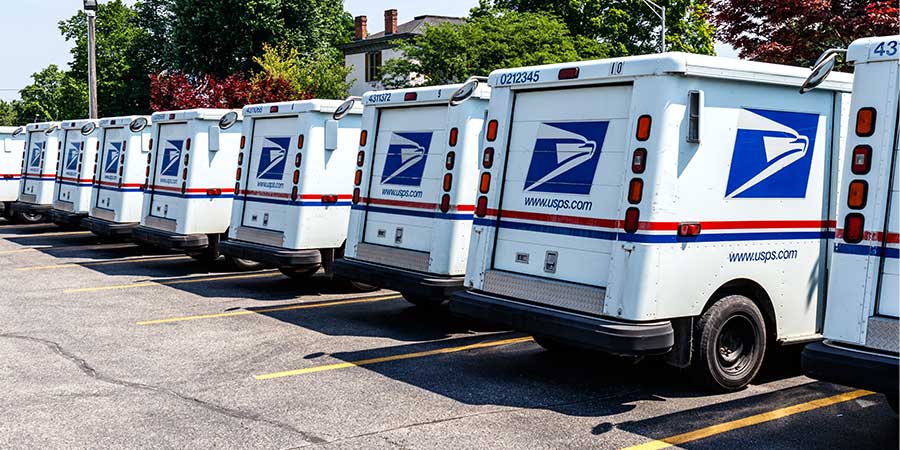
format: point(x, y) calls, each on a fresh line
point(660, 12)
point(90, 9)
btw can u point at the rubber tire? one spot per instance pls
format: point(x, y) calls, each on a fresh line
point(7, 212)
point(30, 218)
point(355, 286)
point(423, 302)
point(892, 401)
point(298, 274)
point(242, 265)
point(705, 368)
point(552, 345)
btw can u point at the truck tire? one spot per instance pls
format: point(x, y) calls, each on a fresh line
point(30, 218)
point(355, 286)
point(422, 301)
point(298, 274)
point(553, 345)
point(729, 344)
point(242, 265)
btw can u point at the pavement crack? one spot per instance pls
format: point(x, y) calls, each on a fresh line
point(90, 371)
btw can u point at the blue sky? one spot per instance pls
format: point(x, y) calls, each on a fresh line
point(30, 27)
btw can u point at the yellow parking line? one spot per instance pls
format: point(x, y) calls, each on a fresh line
point(105, 263)
point(273, 309)
point(749, 421)
point(364, 362)
point(36, 235)
point(170, 282)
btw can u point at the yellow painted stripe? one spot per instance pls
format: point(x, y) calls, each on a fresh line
point(170, 282)
point(37, 235)
point(364, 362)
point(273, 309)
point(104, 263)
point(749, 421)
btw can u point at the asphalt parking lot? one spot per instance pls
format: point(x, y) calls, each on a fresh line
point(107, 345)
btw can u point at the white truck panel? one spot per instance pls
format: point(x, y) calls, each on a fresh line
point(42, 153)
point(120, 198)
point(12, 152)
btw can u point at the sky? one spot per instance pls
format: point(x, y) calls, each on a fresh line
point(32, 26)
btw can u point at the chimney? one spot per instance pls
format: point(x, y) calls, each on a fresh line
point(390, 21)
point(359, 25)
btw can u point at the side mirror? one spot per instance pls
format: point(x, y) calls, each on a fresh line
point(214, 138)
point(466, 90)
point(820, 71)
point(331, 135)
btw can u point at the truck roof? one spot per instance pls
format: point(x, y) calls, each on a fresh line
point(297, 107)
point(75, 124)
point(674, 63)
point(425, 94)
point(190, 114)
point(866, 50)
point(41, 126)
point(107, 122)
point(9, 130)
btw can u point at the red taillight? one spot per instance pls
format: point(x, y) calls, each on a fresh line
point(853, 228)
point(492, 130)
point(410, 96)
point(296, 176)
point(865, 122)
point(862, 160)
point(273, 109)
point(451, 160)
point(639, 160)
point(294, 194)
point(187, 144)
point(172, 116)
point(448, 182)
point(237, 174)
point(355, 196)
point(635, 191)
point(632, 215)
point(454, 136)
point(487, 159)
point(363, 137)
point(481, 206)
point(147, 172)
point(643, 128)
point(243, 141)
point(298, 159)
point(330, 198)
point(357, 178)
point(184, 174)
point(300, 141)
point(183, 187)
point(186, 158)
point(240, 158)
point(360, 158)
point(485, 185)
point(568, 73)
point(121, 170)
point(445, 203)
point(150, 144)
point(856, 195)
point(688, 229)
point(237, 189)
point(214, 191)
point(97, 147)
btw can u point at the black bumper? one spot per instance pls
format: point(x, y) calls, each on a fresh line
point(408, 282)
point(270, 255)
point(102, 227)
point(588, 332)
point(30, 208)
point(851, 368)
point(66, 218)
point(168, 240)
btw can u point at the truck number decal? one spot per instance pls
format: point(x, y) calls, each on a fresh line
point(380, 98)
point(254, 109)
point(532, 76)
point(616, 68)
point(888, 48)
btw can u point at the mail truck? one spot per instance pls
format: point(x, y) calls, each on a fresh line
point(42, 148)
point(12, 154)
point(75, 172)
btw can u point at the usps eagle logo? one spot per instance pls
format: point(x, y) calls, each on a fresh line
point(73, 154)
point(113, 155)
point(773, 153)
point(34, 160)
point(272, 159)
point(171, 158)
point(565, 157)
point(406, 157)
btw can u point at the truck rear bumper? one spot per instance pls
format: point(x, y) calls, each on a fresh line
point(270, 255)
point(168, 240)
point(30, 208)
point(858, 369)
point(103, 227)
point(405, 281)
point(66, 218)
point(589, 332)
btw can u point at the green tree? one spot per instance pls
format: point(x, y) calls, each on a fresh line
point(54, 95)
point(9, 116)
point(450, 53)
point(625, 27)
point(319, 74)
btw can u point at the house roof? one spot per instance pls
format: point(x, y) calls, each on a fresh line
point(415, 27)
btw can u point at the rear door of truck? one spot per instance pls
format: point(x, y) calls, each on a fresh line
point(167, 180)
point(267, 198)
point(109, 159)
point(34, 155)
point(563, 183)
point(405, 183)
point(69, 169)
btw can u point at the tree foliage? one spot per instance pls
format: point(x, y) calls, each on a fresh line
point(9, 114)
point(53, 96)
point(797, 31)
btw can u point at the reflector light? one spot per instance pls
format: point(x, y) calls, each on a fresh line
point(360, 158)
point(296, 176)
point(639, 160)
point(485, 183)
point(853, 228)
point(445, 203)
point(454, 136)
point(568, 73)
point(183, 188)
point(631, 220)
point(410, 96)
point(865, 122)
point(450, 161)
point(300, 141)
point(97, 147)
point(357, 179)
point(273, 109)
point(184, 174)
point(861, 160)
point(481, 206)
point(363, 137)
point(487, 160)
point(635, 191)
point(448, 182)
point(298, 159)
point(688, 229)
point(214, 191)
point(294, 194)
point(243, 141)
point(492, 130)
point(237, 189)
point(240, 158)
point(330, 198)
point(150, 144)
point(147, 172)
point(355, 195)
point(186, 158)
point(121, 170)
point(643, 128)
point(237, 174)
point(856, 196)
point(172, 116)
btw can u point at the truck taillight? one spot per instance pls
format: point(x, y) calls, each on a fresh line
point(360, 158)
point(296, 176)
point(363, 138)
point(853, 228)
point(147, 171)
point(689, 229)
point(294, 194)
point(187, 144)
point(329, 198)
point(445, 203)
point(237, 174)
point(357, 177)
point(243, 142)
point(454, 136)
point(355, 195)
point(632, 215)
point(410, 96)
point(298, 159)
point(273, 109)
point(448, 182)
point(184, 174)
point(121, 170)
point(240, 158)
point(183, 187)
point(639, 160)
point(450, 161)
point(861, 160)
point(487, 159)
point(485, 185)
point(97, 146)
point(865, 122)
point(150, 144)
point(643, 128)
point(635, 191)
point(857, 192)
point(187, 158)
point(481, 206)
point(492, 130)
point(214, 191)
point(237, 189)
point(569, 73)
point(300, 141)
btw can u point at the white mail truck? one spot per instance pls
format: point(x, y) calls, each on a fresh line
point(12, 153)
point(123, 166)
point(414, 192)
point(42, 149)
point(862, 331)
point(190, 185)
point(80, 140)
point(663, 204)
point(293, 183)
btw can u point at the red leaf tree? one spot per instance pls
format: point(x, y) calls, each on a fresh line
point(796, 32)
point(175, 90)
